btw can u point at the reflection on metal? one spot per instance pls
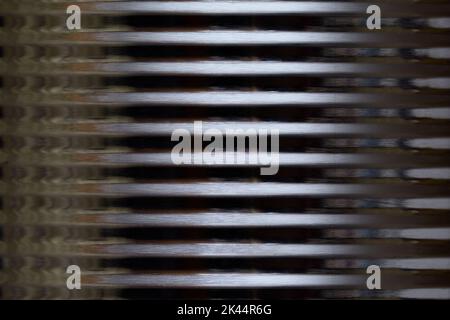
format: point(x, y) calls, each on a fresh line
point(88, 179)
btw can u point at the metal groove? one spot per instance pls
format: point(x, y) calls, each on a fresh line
point(87, 171)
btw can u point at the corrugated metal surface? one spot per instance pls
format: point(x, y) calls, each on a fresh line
point(87, 176)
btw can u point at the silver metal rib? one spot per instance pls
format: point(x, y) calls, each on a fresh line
point(261, 8)
point(241, 250)
point(233, 99)
point(230, 38)
point(224, 280)
point(236, 189)
point(155, 159)
point(225, 68)
point(238, 128)
point(233, 8)
point(242, 220)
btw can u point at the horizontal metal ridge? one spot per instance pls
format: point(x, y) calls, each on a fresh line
point(105, 159)
point(242, 220)
point(235, 189)
point(229, 38)
point(403, 130)
point(261, 280)
point(225, 280)
point(187, 249)
point(231, 8)
point(224, 68)
point(232, 99)
point(240, 250)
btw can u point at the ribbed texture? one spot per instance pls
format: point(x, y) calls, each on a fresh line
point(88, 179)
